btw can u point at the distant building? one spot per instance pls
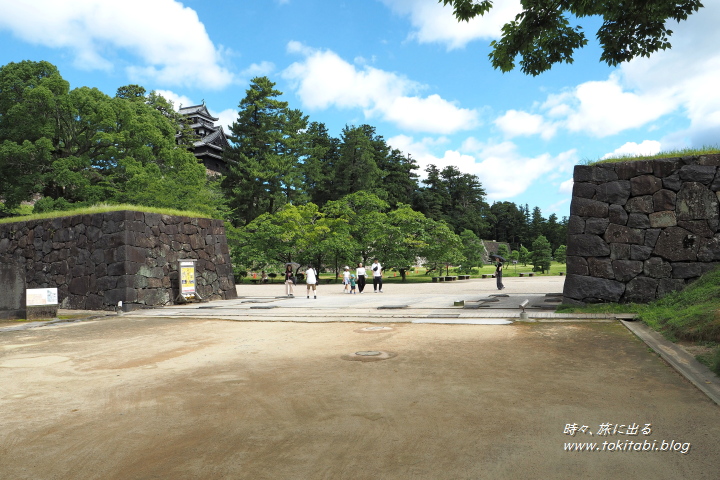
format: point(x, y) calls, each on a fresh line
point(212, 139)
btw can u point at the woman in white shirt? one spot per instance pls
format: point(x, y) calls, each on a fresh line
point(311, 278)
point(377, 275)
point(360, 272)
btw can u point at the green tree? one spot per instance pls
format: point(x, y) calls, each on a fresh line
point(265, 153)
point(523, 255)
point(472, 249)
point(541, 35)
point(561, 254)
point(365, 214)
point(79, 147)
point(443, 246)
point(357, 167)
point(541, 255)
point(503, 251)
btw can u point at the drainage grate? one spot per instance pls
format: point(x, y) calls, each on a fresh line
point(391, 307)
point(369, 356)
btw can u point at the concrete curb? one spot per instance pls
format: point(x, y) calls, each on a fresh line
point(697, 373)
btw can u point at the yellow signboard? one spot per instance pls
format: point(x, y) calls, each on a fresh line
point(187, 278)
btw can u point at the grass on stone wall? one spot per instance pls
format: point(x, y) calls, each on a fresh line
point(692, 314)
point(683, 152)
point(101, 208)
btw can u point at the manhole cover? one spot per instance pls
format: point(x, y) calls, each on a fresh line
point(375, 329)
point(369, 356)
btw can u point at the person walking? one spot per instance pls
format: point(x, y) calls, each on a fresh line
point(346, 280)
point(289, 280)
point(311, 278)
point(377, 276)
point(360, 272)
point(352, 284)
point(498, 274)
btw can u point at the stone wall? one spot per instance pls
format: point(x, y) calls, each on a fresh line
point(97, 260)
point(639, 230)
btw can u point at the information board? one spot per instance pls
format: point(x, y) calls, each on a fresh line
point(187, 278)
point(41, 296)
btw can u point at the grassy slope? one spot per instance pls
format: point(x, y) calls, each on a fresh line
point(100, 209)
point(707, 150)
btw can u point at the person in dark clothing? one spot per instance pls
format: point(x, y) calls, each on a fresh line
point(498, 274)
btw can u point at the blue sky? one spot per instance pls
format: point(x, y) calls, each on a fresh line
point(404, 66)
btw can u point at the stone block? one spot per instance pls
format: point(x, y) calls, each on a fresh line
point(576, 225)
point(669, 285)
point(676, 244)
point(596, 226)
point(593, 290)
point(651, 236)
point(698, 173)
point(616, 192)
point(696, 202)
point(672, 182)
point(664, 200)
point(628, 170)
point(80, 286)
point(577, 266)
point(600, 267)
point(698, 227)
point(642, 204)
point(656, 267)
point(687, 270)
point(587, 246)
point(625, 270)
point(640, 290)
point(639, 252)
point(622, 234)
point(12, 284)
point(586, 173)
point(584, 190)
point(638, 220)
point(709, 250)
point(645, 185)
point(619, 251)
point(617, 215)
point(712, 159)
point(662, 219)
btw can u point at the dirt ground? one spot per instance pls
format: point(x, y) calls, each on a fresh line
point(132, 398)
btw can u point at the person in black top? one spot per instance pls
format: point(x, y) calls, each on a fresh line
point(498, 274)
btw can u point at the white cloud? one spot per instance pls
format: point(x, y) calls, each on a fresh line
point(323, 80)
point(177, 99)
point(227, 117)
point(261, 69)
point(516, 123)
point(502, 170)
point(603, 108)
point(680, 80)
point(435, 23)
point(648, 147)
point(168, 40)
point(566, 186)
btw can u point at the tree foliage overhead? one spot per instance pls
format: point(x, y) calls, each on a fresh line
point(79, 147)
point(541, 35)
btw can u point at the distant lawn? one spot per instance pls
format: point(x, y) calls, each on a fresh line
point(103, 208)
point(684, 152)
point(692, 314)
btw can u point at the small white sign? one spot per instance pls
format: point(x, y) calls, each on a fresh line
point(41, 296)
